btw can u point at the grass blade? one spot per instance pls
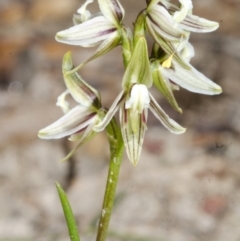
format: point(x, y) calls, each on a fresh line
point(71, 223)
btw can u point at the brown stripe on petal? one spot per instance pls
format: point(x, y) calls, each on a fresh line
point(149, 16)
point(127, 146)
point(106, 32)
point(117, 10)
point(164, 44)
point(162, 5)
point(140, 132)
point(191, 24)
point(125, 119)
point(124, 129)
point(161, 115)
point(89, 93)
point(133, 146)
point(82, 130)
point(144, 119)
point(172, 9)
point(88, 117)
point(92, 96)
point(156, 109)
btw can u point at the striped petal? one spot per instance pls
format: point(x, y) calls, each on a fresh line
point(167, 46)
point(166, 121)
point(133, 127)
point(111, 112)
point(82, 137)
point(200, 25)
point(74, 121)
point(87, 34)
point(164, 24)
point(191, 80)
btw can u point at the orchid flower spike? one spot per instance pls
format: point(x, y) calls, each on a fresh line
point(134, 102)
point(77, 123)
point(90, 30)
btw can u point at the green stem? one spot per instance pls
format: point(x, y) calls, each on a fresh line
point(116, 151)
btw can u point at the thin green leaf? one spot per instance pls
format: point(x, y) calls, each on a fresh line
point(71, 223)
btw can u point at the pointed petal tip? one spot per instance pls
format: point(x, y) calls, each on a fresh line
point(218, 89)
point(56, 36)
point(216, 25)
point(44, 134)
point(134, 162)
point(197, 24)
point(41, 134)
point(213, 26)
point(59, 36)
point(215, 90)
point(177, 128)
point(180, 130)
point(67, 63)
point(62, 33)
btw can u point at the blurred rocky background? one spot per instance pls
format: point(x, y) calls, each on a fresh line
point(185, 188)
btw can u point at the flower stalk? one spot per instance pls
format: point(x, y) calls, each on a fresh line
point(116, 152)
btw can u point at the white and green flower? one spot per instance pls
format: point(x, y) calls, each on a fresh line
point(169, 75)
point(92, 29)
point(172, 22)
point(78, 122)
point(170, 25)
point(133, 103)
